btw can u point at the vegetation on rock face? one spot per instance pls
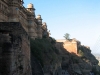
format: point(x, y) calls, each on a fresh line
point(47, 54)
point(81, 53)
point(95, 71)
point(85, 54)
point(44, 50)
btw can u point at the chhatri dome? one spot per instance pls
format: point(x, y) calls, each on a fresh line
point(30, 5)
point(38, 17)
point(44, 23)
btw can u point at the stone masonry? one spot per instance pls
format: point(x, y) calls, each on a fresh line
point(17, 25)
point(14, 49)
point(71, 45)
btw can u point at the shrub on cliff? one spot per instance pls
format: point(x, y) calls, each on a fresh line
point(81, 53)
point(36, 50)
point(44, 50)
point(53, 41)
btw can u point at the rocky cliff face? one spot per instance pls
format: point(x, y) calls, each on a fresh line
point(82, 62)
point(55, 59)
point(47, 55)
point(85, 53)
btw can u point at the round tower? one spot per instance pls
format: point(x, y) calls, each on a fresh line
point(44, 26)
point(44, 23)
point(44, 30)
point(30, 8)
point(39, 19)
point(39, 26)
point(32, 27)
point(14, 10)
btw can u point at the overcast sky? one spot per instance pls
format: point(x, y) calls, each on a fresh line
point(79, 18)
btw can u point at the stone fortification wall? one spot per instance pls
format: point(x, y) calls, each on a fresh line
point(14, 49)
point(16, 12)
point(69, 45)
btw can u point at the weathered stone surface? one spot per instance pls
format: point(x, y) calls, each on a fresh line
point(73, 60)
point(69, 45)
point(15, 52)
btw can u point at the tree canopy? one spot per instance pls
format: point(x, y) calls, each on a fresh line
point(67, 36)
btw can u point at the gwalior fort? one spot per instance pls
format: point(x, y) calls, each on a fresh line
point(16, 12)
point(26, 47)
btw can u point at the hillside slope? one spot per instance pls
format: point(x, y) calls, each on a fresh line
point(47, 54)
point(54, 59)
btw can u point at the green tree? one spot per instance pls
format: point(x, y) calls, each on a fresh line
point(67, 36)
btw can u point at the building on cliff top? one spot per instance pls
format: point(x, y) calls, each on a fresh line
point(16, 12)
point(71, 45)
